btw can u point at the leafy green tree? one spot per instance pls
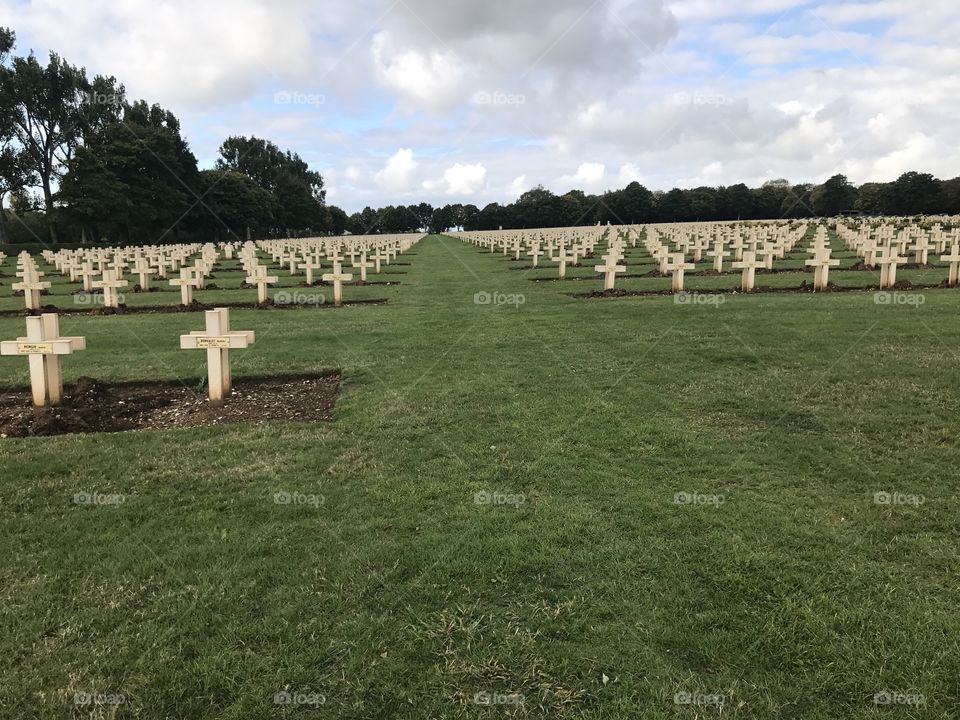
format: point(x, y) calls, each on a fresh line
point(914, 193)
point(835, 196)
point(297, 191)
point(337, 220)
point(232, 203)
point(873, 198)
point(15, 176)
point(635, 204)
point(48, 110)
point(134, 179)
point(768, 199)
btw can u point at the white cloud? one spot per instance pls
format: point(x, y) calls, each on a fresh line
point(518, 186)
point(814, 93)
point(397, 174)
point(465, 179)
point(589, 176)
point(430, 79)
point(182, 54)
point(629, 173)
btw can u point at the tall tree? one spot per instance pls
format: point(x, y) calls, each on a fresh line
point(298, 191)
point(47, 106)
point(135, 179)
point(835, 196)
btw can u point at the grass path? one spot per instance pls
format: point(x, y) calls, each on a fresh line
point(390, 592)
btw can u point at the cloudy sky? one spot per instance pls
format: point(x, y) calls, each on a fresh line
point(400, 101)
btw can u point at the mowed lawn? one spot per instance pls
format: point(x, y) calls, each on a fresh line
point(582, 589)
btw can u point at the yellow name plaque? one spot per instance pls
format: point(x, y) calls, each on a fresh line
point(210, 343)
point(29, 348)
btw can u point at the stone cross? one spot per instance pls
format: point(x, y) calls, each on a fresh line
point(953, 279)
point(186, 283)
point(749, 265)
point(535, 254)
point(217, 339)
point(888, 258)
point(377, 257)
point(110, 284)
point(309, 265)
point(677, 264)
point(718, 254)
point(363, 265)
point(562, 258)
point(86, 274)
point(44, 348)
point(32, 287)
point(337, 277)
point(921, 249)
point(609, 270)
point(821, 263)
point(261, 280)
point(142, 268)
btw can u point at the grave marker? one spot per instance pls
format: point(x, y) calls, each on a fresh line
point(44, 348)
point(218, 340)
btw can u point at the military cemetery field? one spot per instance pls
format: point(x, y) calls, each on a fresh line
point(524, 502)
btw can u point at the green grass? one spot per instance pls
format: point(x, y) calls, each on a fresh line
point(400, 597)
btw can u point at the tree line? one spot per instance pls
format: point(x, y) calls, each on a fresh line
point(80, 162)
point(913, 193)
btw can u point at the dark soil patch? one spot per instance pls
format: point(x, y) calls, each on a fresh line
point(804, 287)
point(193, 307)
point(90, 406)
point(137, 289)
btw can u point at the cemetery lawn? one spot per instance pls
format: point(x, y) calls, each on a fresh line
point(386, 591)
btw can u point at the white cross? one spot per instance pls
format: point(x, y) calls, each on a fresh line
point(363, 265)
point(217, 339)
point(888, 259)
point(186, 284)
point(44, 348)
point(609, 270)
point(676, 265)
point(32, 287)
point(954, 259)
point(337, 277)
point(749, 265)
point(261, 280)
point(562, 258)
point(110, 283)
point(821, 263)
point(718, 254)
